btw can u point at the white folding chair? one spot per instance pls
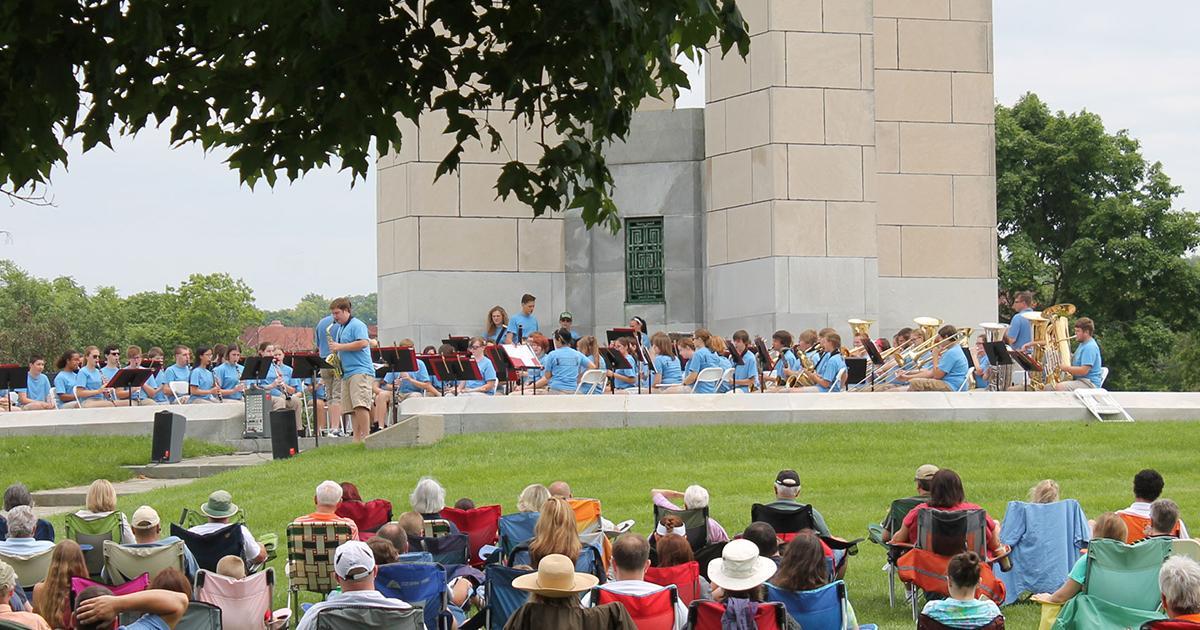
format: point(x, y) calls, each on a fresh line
point(712, 375)
point(966, 384)
point(1103, 376)
point(591, 382)
point(839, 382)
point(727, 379)
point(180, 391)
point(1100, 403)
point(1186, 547)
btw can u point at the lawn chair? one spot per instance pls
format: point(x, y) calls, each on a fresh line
point(481, 525)
point(655, 611)
point(1136, 526)
point(422, 585)
point(684, 577)
point(437, 527)
point(896, 513)
point(940, 536)
point(823, 607)
point(1186, 547)
point(208, 549)
point(1120, 587)
point(1046, 539)
point(502, 599)
point(695, 522)
point(925, 622)
point(94, 533)
point(30, 569)
point(369, 516)
point(708, 375)
point(704, 614)
point(590, 524)
point(358, 617)
point(784, 521)
point(515, 529)
point(1170, 624)
point(136, 585)
point(122, 564)
point(310, 549)
point(707, 555)
point(587, 562)
point(245, 602)
point(200, 616)
point(191, 518)
point(445, 550)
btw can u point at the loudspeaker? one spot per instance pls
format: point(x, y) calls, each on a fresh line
point(284, 442)
point(166, 446)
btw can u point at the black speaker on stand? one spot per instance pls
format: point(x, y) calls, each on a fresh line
point(284, 442)
point(166, 445)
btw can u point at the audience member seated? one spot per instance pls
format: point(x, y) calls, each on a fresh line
point(355, 571)
point(694, 498)
point(102, 501)
point(532, 498)
point(922, 478)
point(738, 577)
point(219, 509)
point(1164, 519)
point(327, 498)
point(631, 558)
point(805, 567)
point(464, 504)
point(946, 493)
point(787, 489)
point(669, 525)
point(172, 579)
point(961, 609)
point(1147, 487)
point(8, 585)
point(1179, 581)
point(18, 494)
point(97, 608)
point(383, 550)
point(52, 596)
point(232, 567)
point(1046, 491)
point(555, 533)
point(394, 533)
point(428, 498)
point(673, 550)
point(560, 490)
point(554, 600)
point(413, 524)
point(764, 538)
point(21, 526)
point(147, 531)
point(1108, 525)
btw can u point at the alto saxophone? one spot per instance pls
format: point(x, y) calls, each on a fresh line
point(333, 359)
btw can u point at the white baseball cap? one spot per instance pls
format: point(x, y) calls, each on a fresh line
point(353, 561)
point(144, 518)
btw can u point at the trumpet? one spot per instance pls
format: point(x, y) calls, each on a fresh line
point(333, 359)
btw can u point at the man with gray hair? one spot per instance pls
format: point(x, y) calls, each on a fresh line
point(327, 498)
point(787, 488)
point(8, 585)
point(20, 540)
point(1179, 581)
point(1164, 519)
point(18, 494)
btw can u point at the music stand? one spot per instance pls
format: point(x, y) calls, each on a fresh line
point(12, 377)
point(499, 358)
point(395, 359)
point(128, 378)
point(522, 359)
point(308, 365)
point(998, 355)
point(856, 370)
point(616, 361)
point(764, 362)
point(617, 333)
point(460, 343)
point(876, 359)
point(454, 368)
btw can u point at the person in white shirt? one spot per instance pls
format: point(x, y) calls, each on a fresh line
point(355, 571)
point(631, 558)
point(219, 509)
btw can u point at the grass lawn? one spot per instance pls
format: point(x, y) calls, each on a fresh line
point(850, 472)
point(46, 463)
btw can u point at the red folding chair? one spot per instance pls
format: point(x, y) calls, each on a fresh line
point(481, 525)
point(655, 611)
point(706, 615)
point(684, 577)
point(368, 515)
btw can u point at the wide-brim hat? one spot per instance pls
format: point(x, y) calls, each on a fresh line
point(740, 568)
point(555, 577)
point(219, 505)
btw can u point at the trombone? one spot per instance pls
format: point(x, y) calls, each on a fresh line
point(901, 355)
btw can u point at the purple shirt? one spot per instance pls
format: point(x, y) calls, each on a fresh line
point(716, 533)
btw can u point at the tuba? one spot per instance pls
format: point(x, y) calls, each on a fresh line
point(333, 359)
point(999, 376)
point(1058, 343)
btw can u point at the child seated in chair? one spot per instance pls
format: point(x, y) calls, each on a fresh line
point(961, 609)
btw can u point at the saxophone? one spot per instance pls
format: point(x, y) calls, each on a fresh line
point(333, 359)
point(802, 379)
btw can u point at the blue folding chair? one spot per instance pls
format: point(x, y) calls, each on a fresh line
point(502, 599)
point(823, 607)
point(420, 584)
point(515, 530)
point(588, 561)
point(448, 549)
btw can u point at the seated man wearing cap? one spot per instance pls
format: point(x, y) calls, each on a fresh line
point(889, 526)
point(96, 608)
point(219, 509)
point(355, 571)
point(148, 533)
point(554, 600)
point(327, 498)
point(8, 585)
point(631, 558)
point(787, 488)
point(564, 323)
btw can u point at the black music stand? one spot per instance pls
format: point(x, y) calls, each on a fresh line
point(617, 361)
point(856, 371)
point(12, 377)
point(309, 366)
point(876, 359)
point(764, 362)
point(128, 378)
point(460, 343)
point(396, 359)
point(998, 355)
point(499, 358)
point(255, 368)
point(639, 355)
point(454, 369)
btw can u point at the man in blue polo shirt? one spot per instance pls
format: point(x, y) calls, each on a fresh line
point(1020, 331)
point(1086, 367)
point(36, 396)
point(524, 323)
point(827, 368)
point(181, 371)
point(949, 367)
point(352, 343)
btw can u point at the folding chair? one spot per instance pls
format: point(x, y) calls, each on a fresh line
point(823, 607)
point(1045, 539)
point(592, 382)
point(704, 614)
point(180, 391)
point(481, 525)
point(1120, 587)
point(94, 533)
point(925, 622)
point(1186, 547)
point(708, 375)
point(245, 602)
point(896, 513)
point(590, 524)
point(695, 523)
point(588, 561)
point(655, 611)
point(358, 617)
point(369, 515)
point(191, 518)
point(30, 569)
point(940, 536)
point(839, 382)
point(684, 577)
point(419, 584)
point(1101, 404)
point(208, 549)
point(502, 599)
point(310, 549)
point(200, 616)
point(725, 385)
point(122, 564)
point(138, 584)
point(446, 550)
point(437, 527)
point(707, 555)
point(515, 529)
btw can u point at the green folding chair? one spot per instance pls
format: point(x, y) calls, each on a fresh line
point(896, 513)
point(123, 564)
point(94, 533)
point(1120, 589)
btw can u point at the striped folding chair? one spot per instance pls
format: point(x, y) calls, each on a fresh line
point(310, 559)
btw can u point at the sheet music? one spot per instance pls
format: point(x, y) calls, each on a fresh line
point(522, 355)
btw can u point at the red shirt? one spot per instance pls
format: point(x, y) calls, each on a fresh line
point(910, 519)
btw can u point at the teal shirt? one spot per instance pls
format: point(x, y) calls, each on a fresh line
point(228, 376)
point(668, 368)
point(748, 369)
point(201, 378)
point(953, 362)
point(829, 368)
point(564, 365)
point(527, 324)
point(1088, 353)
point(354, 361)
point(702, 358)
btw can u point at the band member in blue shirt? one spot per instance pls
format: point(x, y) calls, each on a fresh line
point(229, 376)
point(37, 394)
point(524, 323)
point(90, 381)
point(701, 358)
point(562, 367)
point(497, 330)
point(785, 358)
point(745, 375)
point(565, 321)
point(667, 371)
point(640, 332)
point(827, 368)
point(201, 382)
point(485, 386)
point(1086, 365)
point(326, 328)
point(949, 369)
point(112, 365)
point(64, 381)
point(624, 379)
point(179, 372)
point(146, 394)
point(352, 343)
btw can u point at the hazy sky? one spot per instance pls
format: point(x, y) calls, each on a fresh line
point(145, 215)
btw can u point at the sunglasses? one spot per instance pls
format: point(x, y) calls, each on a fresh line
point(114, 353)
point(475, 347)
point(94, 356)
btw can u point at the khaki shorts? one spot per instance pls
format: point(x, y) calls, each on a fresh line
point(358, 390)
point(333, 394)
point(928, 385)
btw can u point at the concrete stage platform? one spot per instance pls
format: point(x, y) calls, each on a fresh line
point(427, 420)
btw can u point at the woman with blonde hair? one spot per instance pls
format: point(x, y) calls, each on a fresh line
point(555, 532)
point(102, 501)
point(52, 596)
point(1108, 525)
point(1046, 491)
point(497, 326)
point(532, 498)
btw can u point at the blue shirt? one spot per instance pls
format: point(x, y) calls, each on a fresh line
point(631, 371)
point(668, 369)
point(954, 363)
point(487, 371)
point(90, 378)
point(228, 376)
point(748, 369)
point(201, 378)
point(321, 338)
point(1020, 329)
point(64, 382)
point(981, 381)
point(564, 365)
point(108, 373)
point(829, 367)
point(354, 361)
point(1088, 353)
point(526, 323)
point(147, 622)
point(787, 360)
point(274, 371)
point(175, 372)
point(38, 387)
point(702, 358)
point(24, 546)
point(421, 375)
point(500, 335)
point(155, 384)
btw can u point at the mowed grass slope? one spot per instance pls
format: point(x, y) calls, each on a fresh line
point(850, 472)
point(47, 463)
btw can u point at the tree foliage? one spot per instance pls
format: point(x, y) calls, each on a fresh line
point(292, 85)
point(312, 307)
point(1085, 218)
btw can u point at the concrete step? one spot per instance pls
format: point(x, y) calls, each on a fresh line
point(263, 445)
point(77, 496)
point(199, 467)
